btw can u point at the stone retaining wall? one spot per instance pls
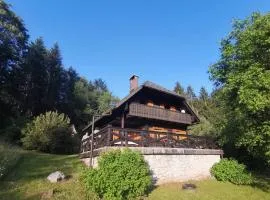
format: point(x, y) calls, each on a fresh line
point(172, 164)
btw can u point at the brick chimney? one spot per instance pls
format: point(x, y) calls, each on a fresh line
point(133, 83)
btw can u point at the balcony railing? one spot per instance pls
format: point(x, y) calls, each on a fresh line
point(114, 136)
point(140, 110)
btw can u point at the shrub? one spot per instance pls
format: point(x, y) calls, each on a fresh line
point(48, 132)
point(9, 156)
point(232, 171)
point(120, 175)
point(12, 131)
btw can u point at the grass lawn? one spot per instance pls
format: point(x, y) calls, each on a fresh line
point(28, 181)
point(210, 190)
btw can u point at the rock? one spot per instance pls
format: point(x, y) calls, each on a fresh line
point(56, 177)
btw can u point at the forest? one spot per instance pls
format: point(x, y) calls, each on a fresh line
point(34, 81)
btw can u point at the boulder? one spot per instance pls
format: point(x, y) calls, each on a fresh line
point(56, 177)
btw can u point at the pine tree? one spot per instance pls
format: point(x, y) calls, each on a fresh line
point(36, 78)
point(54, 70)
point(203, 94)
point(179, 89)
point(190, 93)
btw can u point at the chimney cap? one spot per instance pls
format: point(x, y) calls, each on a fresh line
point(133, 76)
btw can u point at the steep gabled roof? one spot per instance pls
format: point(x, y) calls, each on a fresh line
point(151, 85)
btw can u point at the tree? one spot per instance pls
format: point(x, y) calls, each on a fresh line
point(54, 71)
point(242, 75)
point(13, 41)
point(203, 94)
point(48, 132)
point(13, 45)
point(190, 93)
point(106, 101)
point(179, 89)
point(33, 80)
point(36, 78)
point(100, 85)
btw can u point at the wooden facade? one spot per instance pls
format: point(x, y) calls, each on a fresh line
point(159, 113)
point(149, 116)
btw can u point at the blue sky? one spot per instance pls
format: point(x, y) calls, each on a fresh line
point(161, 41)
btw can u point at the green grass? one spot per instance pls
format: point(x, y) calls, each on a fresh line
point(9, 157)
point(211, 190)
point(28, 181)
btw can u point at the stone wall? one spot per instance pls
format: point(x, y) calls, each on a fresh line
point(172, 164)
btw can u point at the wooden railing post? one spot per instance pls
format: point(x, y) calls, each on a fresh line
point(109, 135)
point(168, 140)
point(126, 138)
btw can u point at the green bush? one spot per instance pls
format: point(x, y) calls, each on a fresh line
point(120, 175)
point(48, 132)
point(9, 156)
point(11, 133)
point(232, 171)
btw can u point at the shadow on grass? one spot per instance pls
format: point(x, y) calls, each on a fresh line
point(35, 166)
point(262, 182)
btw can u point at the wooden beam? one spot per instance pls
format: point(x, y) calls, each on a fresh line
point(122, 126)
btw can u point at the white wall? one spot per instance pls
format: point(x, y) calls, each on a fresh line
point(175, 165)
point(175, 168)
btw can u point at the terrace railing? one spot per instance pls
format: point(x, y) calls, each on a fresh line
point(151, 112)
point(114, 136)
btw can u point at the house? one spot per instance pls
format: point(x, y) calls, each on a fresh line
point(151, 119)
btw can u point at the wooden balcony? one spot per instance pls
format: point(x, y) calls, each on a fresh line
point(140, 110)
point(114, 136)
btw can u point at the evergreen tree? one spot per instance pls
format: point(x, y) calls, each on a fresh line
point(13, 45)
point(203, 94)
point(190, 93)
point(179, 89)
point(36, 80)
point(54, 71)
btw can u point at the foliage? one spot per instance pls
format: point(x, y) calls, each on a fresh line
point(178, 88)
point(190, 93)
point(13, 46)
point(120, 175)
point(12, 132)
point(242, 75)
point(203, 94)
point(9, 157)
point(48, 132)
point(29, 182)
point(33, 79)
point(230, 170)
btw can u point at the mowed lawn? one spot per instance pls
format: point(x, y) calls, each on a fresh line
point(28, 181)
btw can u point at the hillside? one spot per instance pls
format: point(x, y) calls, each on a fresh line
point(27, 180)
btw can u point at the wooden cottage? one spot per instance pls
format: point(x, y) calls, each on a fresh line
point(149, 116)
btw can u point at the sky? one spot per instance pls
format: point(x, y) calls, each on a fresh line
point(160, 41)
